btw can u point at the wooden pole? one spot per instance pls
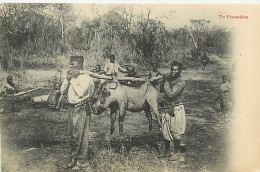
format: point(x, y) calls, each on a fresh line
point(195, 44)
point(120, 78)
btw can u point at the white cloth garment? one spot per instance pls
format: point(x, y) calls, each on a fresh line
point(174, 127)
point(80, 88)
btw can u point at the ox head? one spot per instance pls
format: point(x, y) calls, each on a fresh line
point(104, 96)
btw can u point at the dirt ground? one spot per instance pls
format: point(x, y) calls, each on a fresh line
point(36, 139)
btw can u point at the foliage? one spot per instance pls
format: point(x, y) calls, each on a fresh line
point(41, 33)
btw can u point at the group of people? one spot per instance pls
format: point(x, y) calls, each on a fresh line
point(81, 88)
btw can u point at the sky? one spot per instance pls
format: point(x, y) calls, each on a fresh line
point(172, 15)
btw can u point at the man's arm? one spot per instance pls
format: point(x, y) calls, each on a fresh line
point(172, 92)
point(121, 69)
point(106, 67)
point(7, 86)
point(63, 88)
point(92, 87)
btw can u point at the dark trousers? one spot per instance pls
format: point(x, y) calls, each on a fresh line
point(176, 142)
point(79, 125)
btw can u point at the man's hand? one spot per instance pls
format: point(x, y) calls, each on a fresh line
point(170, 111)
point(72, 73)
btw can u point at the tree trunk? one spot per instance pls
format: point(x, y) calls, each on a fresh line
point(27, 57)
point(62, 26)
point(11, 57)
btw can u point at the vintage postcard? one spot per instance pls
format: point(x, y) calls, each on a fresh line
point(129, 87)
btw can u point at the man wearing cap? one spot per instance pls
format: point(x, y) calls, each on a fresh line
point(80, 88)
point(173, 119)
point(113, 67)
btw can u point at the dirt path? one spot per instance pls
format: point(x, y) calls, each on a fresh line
point(36, 139)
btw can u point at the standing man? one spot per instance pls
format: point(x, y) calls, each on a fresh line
point(113, 67)
point(204, 60)
point(173, 119)
point(80, 88)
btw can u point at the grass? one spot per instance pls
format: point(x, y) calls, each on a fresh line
point(135, 151)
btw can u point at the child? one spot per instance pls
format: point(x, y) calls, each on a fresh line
point(224, 96)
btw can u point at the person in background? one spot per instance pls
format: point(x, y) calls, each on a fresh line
point(9, 87)
point(193, 55)
point(154, 72)
point(132, 72)
point(80, 88)
point(173, 119)
point(112, 67)
point(98, 70)
point(204, 60)
point(225, 96)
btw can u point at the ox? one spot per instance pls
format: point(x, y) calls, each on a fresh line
point(119, 98)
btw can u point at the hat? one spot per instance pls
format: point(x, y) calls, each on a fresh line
point(176, 63)
point(112, 56)
point(77, 58)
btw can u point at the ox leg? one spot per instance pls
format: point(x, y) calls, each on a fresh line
point(113, 113)
point(154, 107)
point(149, 117)
point(121, 119)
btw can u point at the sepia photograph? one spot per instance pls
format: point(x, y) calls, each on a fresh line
point(129, 87)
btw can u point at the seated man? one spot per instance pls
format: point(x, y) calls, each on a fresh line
point(113, 67)
point(98, 70)
point(9, 87)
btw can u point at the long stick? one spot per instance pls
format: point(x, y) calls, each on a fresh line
point(119, 78)
point(60, 76)
point(10, 96)
point(195, 44)
point(24, 92)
